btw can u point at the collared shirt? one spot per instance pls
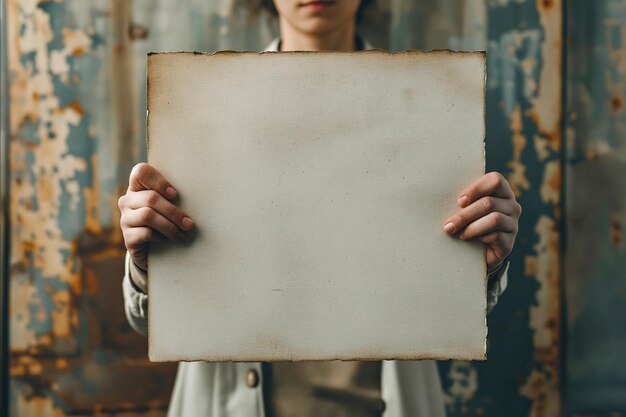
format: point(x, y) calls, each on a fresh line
point(203, 389)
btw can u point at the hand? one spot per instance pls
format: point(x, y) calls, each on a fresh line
point(489, 213)
point(148, 213)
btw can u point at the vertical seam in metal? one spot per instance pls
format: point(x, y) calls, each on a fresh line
point(4, 229)
point(563, 221)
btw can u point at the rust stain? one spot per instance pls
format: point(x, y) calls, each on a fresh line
point(542, 384)
point(546, 106)
point(78, 51)
point(22, 336)
point(545, 4)
point(75, 105)
point(61, 326)
point(124, 101)
point(61, 363)
point(93, 224)
point(551, 187)
point(517, 176)
point(591, 154)
point(616, 72)
point(92, 282)
point(616, 233)
point(37, 376)
point(617, 104)
point(541, 147)
point(37, 406)
point(528, 66)
point(552, 137)
point(137, 31)
point(535, 388)
point(464, 386)
point(41, 172)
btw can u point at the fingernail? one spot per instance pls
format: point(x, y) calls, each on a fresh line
point(171, 192)
point(187, 223)
point(448, 228)
point(463, 200)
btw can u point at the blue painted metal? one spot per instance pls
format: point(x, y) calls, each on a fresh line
point(72, 351)
point(522, 374)
point(596, 201)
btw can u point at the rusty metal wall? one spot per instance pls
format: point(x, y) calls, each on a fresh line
point(72, 352)
point(77, 111)
point(524, 141)
point(4, 218)
point(596, 202)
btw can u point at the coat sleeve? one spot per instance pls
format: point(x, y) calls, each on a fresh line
point(135, 296)
point(496, 284)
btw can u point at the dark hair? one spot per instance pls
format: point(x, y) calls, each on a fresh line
point(269, 6)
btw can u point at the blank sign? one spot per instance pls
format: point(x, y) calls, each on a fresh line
point(319, 184)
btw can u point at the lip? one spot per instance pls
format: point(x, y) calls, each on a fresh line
point(317, 4)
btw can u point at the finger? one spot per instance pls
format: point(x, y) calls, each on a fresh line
point(478, 209)
point(136, 237)
point(145, 177)
point(147, 216)
point(154, 200)
point(493, 222)
point(491, 184)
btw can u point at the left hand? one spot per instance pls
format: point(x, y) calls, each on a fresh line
point(488, 212)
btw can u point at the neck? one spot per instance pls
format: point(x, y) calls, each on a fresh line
point(341, 38)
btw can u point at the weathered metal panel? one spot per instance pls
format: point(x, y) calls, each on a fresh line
point(77, 125)
point(596, 208)
point(522, 374)
point(72, 351)
point(4, 217)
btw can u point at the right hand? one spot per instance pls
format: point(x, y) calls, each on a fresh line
point(148, 213)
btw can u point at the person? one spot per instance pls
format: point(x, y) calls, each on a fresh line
point(487, 211)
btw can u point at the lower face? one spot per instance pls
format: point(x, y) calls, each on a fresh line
point(317, 16)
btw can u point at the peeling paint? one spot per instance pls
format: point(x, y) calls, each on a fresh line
point(463, 384)
point(536, 387)
point(551, 186)
point(542, 386)
point(546, 110)
point(66, 332)
point(517, 176)
point(46, 172)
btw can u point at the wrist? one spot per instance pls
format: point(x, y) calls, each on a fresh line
point(138, 276)
point(136, 265)
point(494, 268)
point(497, 270)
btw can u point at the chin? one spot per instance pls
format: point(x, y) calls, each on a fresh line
point(317, 26)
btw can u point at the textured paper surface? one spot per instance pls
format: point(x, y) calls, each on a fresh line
point(319, 183)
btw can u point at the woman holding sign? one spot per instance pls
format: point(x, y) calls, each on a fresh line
point(487, 211)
